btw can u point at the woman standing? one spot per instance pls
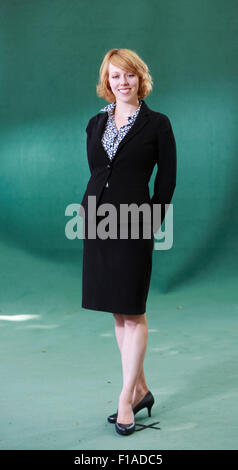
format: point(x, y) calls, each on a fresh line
point(124, 142)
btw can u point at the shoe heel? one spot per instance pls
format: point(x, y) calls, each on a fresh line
point(149, 409)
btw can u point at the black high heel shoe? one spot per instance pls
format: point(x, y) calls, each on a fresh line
point(125, 429)
point(146, 402)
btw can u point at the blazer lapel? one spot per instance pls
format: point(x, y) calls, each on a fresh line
point(141, 120)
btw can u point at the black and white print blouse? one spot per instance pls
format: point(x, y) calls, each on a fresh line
point(112, 136)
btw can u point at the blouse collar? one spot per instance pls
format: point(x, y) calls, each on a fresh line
point(110, 110)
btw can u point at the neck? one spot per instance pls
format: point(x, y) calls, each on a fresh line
point(126, 109)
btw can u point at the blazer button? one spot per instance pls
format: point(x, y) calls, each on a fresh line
point(109, 166)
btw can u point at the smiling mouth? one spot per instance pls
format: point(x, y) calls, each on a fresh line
point(124, 90)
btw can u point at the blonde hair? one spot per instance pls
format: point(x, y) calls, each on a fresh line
point(129, 61)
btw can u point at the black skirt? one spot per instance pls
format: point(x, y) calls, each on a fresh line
point(116, 272)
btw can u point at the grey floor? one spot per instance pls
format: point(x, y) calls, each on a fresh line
point(61, 371)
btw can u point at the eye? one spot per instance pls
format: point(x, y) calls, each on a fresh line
point(130, 74)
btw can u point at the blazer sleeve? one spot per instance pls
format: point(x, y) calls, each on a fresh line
point(88, 131)
point(165, 179)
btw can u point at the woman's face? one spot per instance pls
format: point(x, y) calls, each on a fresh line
point(120, 79)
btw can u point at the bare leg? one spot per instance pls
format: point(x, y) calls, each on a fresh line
point(133, 348)
point(141, 387)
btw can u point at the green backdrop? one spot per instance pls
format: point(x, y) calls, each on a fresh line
point(54, 354)
point(51, 52)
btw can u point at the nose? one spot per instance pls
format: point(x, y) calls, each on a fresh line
point(124, 82)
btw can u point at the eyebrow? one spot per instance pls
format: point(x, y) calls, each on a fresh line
point(119, 72)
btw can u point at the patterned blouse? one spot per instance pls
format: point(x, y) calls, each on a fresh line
point(112, 136)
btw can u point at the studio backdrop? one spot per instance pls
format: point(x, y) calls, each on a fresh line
point(51, 51)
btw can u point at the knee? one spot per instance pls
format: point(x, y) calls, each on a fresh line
point(119, 318)
point(133, 320)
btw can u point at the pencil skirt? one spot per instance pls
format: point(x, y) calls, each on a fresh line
point(116, 273)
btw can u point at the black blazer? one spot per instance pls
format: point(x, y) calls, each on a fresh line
point(149, 141)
